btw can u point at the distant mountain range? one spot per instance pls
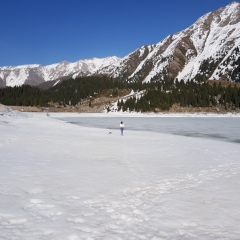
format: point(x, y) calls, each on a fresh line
point(208, 49)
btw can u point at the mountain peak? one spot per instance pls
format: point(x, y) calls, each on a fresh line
point(208, 49)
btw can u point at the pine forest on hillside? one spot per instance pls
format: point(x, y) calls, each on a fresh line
point(157, 96)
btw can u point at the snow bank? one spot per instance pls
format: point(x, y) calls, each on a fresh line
point(3, 108)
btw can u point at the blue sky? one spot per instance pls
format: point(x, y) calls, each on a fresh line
point(50, 31)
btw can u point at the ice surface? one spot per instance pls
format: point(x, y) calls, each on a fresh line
point(226, 129)
point(63, 181)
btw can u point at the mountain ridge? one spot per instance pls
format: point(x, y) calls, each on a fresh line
point(208, 49)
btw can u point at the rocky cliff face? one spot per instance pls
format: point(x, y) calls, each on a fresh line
point(209, 49)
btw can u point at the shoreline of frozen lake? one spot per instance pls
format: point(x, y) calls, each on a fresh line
point(212, 127)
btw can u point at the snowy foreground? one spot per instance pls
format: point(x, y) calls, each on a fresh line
point(62, 181)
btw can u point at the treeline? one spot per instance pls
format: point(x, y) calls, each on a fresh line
point(162, 96)
point(71, 91)
point(157, 95)
point(23, 96)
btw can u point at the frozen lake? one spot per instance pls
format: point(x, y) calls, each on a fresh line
point(218, 128)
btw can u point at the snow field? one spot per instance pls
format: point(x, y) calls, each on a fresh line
point(62, 181)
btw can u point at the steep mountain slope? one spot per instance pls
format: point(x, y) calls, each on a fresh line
point(209, 49)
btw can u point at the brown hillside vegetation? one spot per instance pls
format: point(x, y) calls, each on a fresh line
point(225, 83)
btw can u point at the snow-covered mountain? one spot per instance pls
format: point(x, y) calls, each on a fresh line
point(209, 49)
point(37, 74)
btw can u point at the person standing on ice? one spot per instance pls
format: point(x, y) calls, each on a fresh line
point(121, 127)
